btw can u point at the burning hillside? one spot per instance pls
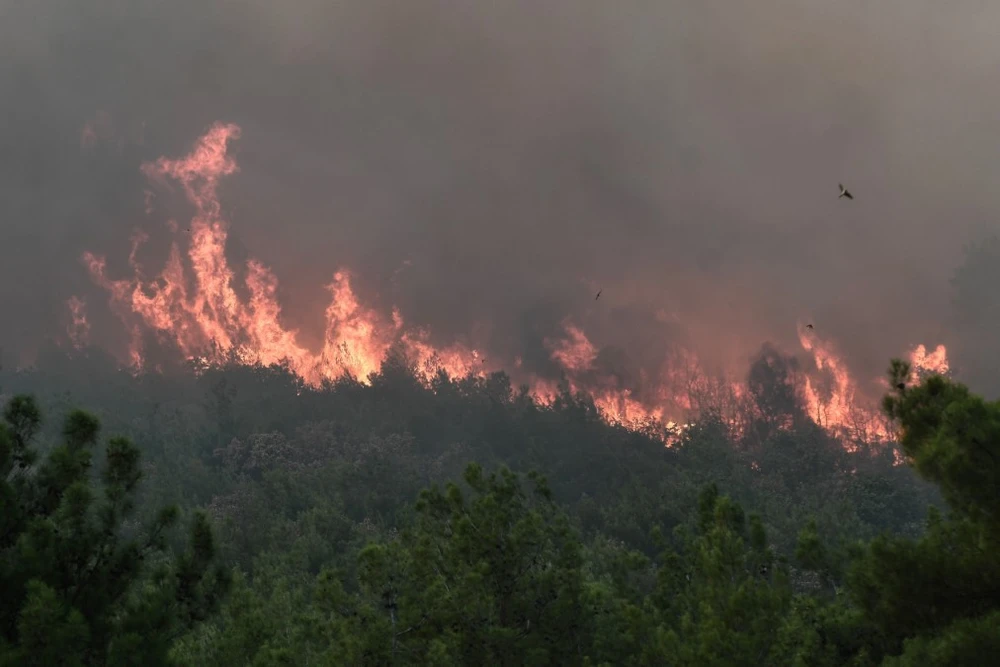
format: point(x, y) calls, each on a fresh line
point(209, 311)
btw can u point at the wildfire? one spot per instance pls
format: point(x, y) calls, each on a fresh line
point(575, 353)
point(207, 319)
point(923, 362)
point(193, 303)
point(833, 401)
point(79, 328)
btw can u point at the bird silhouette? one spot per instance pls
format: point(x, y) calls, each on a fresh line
point(598, 295)
point(809, 326)
point(844, 192)
point(901, 386)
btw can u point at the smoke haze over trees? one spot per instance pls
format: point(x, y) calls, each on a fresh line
point(484, 168)
point(462, 179)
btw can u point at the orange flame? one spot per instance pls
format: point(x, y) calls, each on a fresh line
point(209, 319)
point(838, 405)
point(574, 354)
point(194, 304)
point(924, 362)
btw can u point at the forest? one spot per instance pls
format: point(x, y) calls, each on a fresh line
point(234, 516)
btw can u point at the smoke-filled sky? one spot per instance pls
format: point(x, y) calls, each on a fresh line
point(520, 155)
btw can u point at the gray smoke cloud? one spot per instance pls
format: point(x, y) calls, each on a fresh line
point(683, 156)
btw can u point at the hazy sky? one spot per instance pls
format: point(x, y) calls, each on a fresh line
point(683, 156)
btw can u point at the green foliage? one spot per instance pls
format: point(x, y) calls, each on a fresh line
point(722, 599)
point(973, 641)
point(349, 544)
point(952, 438)
point(924, 594)
point(80, 584)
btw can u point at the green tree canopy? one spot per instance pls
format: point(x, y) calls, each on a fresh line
point(81, 583)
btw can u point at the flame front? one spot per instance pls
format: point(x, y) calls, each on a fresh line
point(836, 406)
point(205, 318)
point(193, 303)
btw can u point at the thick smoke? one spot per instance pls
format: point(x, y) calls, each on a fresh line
point(489, 166)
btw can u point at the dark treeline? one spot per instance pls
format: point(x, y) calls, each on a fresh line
point(462, 524)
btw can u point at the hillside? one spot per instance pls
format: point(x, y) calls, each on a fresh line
point(311, 495)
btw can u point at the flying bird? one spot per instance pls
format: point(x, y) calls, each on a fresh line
point(809, 326)
point(598, 295)
point(844, 192)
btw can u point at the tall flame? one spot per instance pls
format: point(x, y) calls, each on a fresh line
point(194, 304)
point(208, 319)
point(837, 405)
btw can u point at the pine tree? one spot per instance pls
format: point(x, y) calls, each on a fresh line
point(78, 587)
